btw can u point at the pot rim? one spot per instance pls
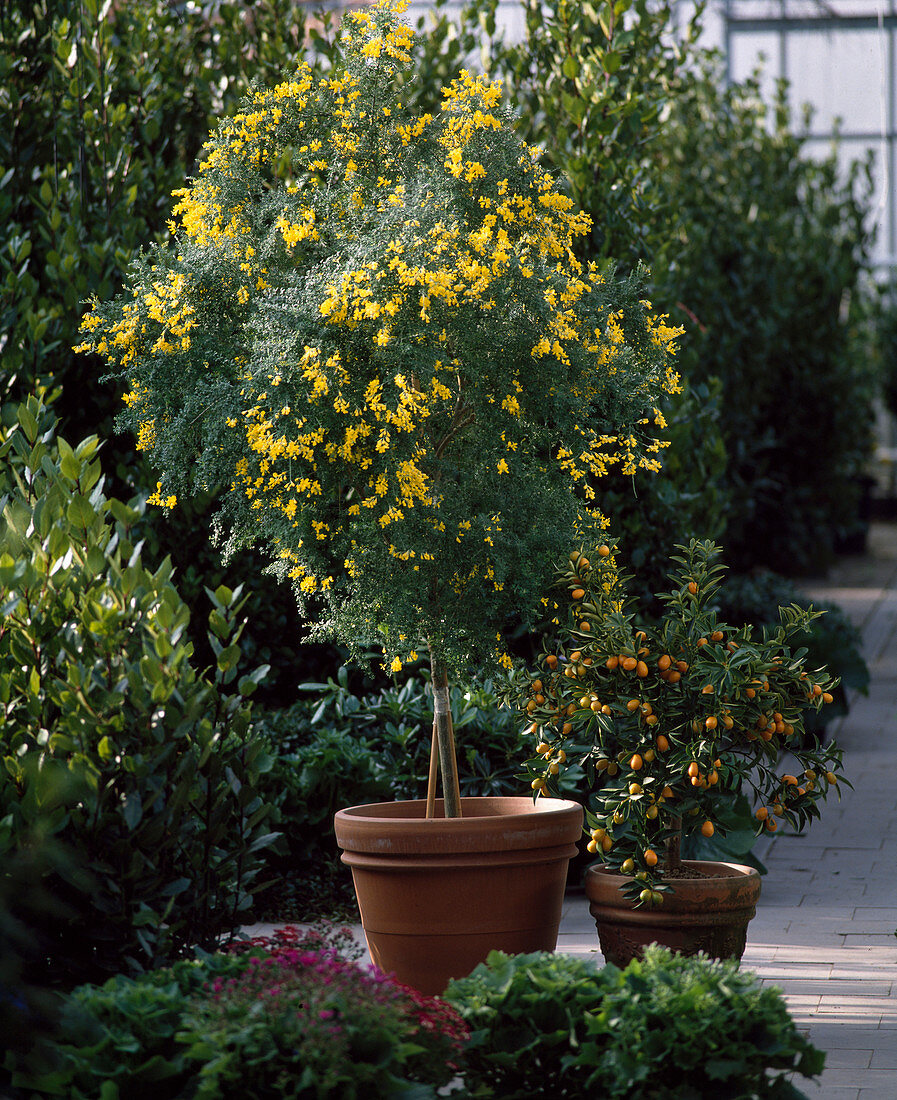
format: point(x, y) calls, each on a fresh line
point(480, 808)
point(492, 823)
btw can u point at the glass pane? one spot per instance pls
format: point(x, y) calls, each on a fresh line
point(840, 73)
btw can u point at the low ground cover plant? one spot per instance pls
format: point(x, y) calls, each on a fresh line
point(665, 1028)
point(290, 1016)
point(286, 1016)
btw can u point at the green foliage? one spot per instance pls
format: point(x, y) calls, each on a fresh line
point(526, 1014)
point(142, 770)
point(107, 105)
point(281, 1018)
point(831, 640)
point(765, 270)
point(591, 83)
point(119, 1038)
point(733, 840)
point(687, 498)
point(882, 342)
point(337, 748)
point(756, 249)
point(665, 1028)
point(673, 718)
point(29, 1009)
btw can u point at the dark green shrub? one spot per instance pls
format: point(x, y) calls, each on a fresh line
point(765, 268)
point(336, 748)
point(593, 84)
point(283, 1018)
point(29, 1008)
point(758, 250)
point(105, 109)
point(832, 640)
point(665, 1028)
point(888, 337)
point(142, 769)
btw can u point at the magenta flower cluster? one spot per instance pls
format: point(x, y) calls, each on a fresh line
point(299, 1012)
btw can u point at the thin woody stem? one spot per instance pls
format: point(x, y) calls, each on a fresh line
point(673, 859)
point(462, 419)
point(445, 736)
point(431, 778)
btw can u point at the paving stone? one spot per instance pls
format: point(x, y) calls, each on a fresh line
point(876, 913)
point(883, 1059)
point(871, 940)
point(861, 1078)
point(798, 1001)
point(781, 971)
point(577, 918)
point(850, 1059)
point(842, 987)
point(831, 1035)
point(804, 954)
point(837, 1092)
point(880, 891)
point(581, 949)
point(870, 926)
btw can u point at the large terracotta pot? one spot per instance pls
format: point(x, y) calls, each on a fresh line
point(437, 895)
point(708, 913)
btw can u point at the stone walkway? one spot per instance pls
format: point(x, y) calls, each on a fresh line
point(825, 924)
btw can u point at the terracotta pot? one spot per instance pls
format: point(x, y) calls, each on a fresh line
point(709, 913)
point(437, 895)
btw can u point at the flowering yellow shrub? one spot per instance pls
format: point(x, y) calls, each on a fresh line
point(370, 333)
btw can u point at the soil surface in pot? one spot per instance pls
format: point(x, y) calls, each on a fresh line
point(707, 909)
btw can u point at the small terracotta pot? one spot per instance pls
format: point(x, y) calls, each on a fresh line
point(438, 894)
point(709, 913)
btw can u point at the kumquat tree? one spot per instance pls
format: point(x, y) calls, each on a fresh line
point(670, 720)
point(369, 334)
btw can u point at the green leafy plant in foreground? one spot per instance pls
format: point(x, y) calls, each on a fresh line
point(284, 1016)
point(665, 1028)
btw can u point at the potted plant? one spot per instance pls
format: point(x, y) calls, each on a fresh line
point(671, 720)
point(371, 338)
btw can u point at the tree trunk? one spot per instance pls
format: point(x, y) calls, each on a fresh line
point(673, 859)
point(445, 736)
